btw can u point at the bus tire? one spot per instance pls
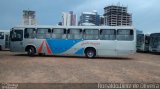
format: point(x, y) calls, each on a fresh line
point(90, 52)
point(31, 51)
point(0, 47)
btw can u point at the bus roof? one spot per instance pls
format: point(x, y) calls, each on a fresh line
point(85, 27)
point(155, 34)
point(4, 30)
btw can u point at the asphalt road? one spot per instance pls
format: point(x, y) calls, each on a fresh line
point(137, 68)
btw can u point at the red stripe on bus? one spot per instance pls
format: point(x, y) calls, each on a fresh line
point(48, 49)
point(40, 48)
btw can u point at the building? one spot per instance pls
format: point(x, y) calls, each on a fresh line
point(69, 19)
point(29, 17)
point(60, 23)
point(89, 18)
point(101, 20)
point(117, 16)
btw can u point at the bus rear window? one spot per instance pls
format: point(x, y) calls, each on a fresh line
point(1, 35)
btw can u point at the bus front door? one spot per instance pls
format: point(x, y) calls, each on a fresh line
point(16, 44)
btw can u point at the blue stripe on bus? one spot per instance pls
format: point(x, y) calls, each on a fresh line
point(80, 51)
point(59, 46)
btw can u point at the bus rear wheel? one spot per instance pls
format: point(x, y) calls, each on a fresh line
point(90, 52)
point(31, 51)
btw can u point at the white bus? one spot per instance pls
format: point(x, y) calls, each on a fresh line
point(154, 43)
point(89, 41)
point(143, 41)
point(4, 39)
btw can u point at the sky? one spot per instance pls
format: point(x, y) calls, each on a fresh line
point(145, 13)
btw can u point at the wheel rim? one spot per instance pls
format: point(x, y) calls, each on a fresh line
point(31, 51)
point(90, 54)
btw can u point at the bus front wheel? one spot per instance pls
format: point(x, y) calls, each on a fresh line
point(31, 51)
point(90, 52)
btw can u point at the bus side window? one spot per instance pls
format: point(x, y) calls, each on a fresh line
point(48, 34)
point(81, 31)
point(49, 31)
point(26, 34)
point(34, 33)
point(64, 35)
point(65, 31)
point(30, 33)
point(75, 34)
point(59, 33)
point(107, 34)
point(125, 34)
point(91, 34)
point(131, 32)
point(53, 34)
point(68, 31)
point(43, 33)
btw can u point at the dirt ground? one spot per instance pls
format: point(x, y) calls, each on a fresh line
point(20, 68)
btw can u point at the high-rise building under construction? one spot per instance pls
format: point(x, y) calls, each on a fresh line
point(29, 17)
point(69, 19)
point(117, 16)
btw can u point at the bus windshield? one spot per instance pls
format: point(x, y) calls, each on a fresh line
point(1, 35)
point(140, 39)
point(155, 41)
